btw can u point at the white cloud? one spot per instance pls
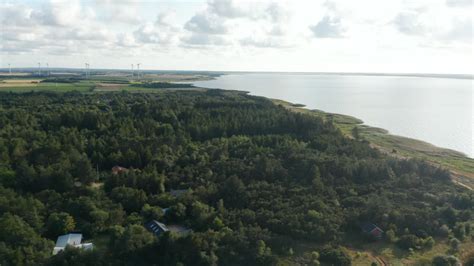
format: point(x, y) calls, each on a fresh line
point(409, 22)
point(459, 3)
point(265, 32)
point(200, 39)
point(161, 31)
point(63, 13)
point(126, 40)
point(328, 27)
point(227, 8)
point(206, 23)
point(123, 11)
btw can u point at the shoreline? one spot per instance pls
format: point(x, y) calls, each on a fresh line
point(460, 165)
point(20, 72)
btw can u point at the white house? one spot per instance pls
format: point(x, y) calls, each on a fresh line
point(73, 240)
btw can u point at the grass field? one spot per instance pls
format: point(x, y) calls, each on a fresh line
point(98, 83)
point(381, 252)
point(27, 85)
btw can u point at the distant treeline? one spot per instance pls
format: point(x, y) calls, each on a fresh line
point(164, 85)
point(115, 80)
point(62, 80)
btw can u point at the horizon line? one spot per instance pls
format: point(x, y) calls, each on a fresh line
point(413, 74)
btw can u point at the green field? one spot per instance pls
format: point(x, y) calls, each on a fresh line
point(27, 86)
point(96, 83)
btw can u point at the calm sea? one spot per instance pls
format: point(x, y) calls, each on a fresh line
point(437, 110)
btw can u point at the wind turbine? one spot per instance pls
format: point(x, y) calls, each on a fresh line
point(47, 69)
point(39, 69)
point(132, 71)
point(138, 70)
point(9, 69)
point(87, 70)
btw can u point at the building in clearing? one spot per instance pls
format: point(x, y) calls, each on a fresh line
point(119, 170)
point(73, 240)
point(156, 227)
point(372, 230)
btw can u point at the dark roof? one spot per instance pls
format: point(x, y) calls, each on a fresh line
point(368, 227)
point(156, 227)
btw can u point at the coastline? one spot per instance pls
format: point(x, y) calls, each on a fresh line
point(460, 166)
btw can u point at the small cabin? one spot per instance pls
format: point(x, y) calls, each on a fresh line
point(119, 170)
point(72, 240)
point(156, 227)
point(372, 230)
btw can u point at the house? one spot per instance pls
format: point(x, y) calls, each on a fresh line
point(118, 170)
point(156, 227)
point(372, 230)
point(73, 240)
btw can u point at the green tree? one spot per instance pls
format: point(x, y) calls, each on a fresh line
point(77, 257)
point(131, 199)
point(460, 231)
point(59, 224)
point(20, 244)
point(134, 238)
point(152, 212)
point(455, 244)
point(335, 256)
point(429, 242)
point(444, 260)
point(355, 132)
point(390, 235)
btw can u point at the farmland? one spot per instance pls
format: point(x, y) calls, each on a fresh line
point(97, 82)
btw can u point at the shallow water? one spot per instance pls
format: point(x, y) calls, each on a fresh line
point(437, 110)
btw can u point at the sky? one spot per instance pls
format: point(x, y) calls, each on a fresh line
point(396, 36)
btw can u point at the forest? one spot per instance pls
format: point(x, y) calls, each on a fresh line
point(255, 181)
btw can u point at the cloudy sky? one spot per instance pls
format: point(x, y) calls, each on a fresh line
point(422, 36)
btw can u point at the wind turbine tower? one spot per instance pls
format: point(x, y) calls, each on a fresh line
point(47, 69)
point(39, 69)
point(87, 70)
point(138, 70)
point(132, 71)
point(9, 69)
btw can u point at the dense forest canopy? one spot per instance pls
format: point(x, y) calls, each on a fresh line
point(256, 181)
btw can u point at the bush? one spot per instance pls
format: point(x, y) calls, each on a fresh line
point(455, 244)
point(390, 235)
point(459, 231)
point(444, 230)
point(409, 241)
point(335, 256)
point(429, 242)
point(444, 260)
